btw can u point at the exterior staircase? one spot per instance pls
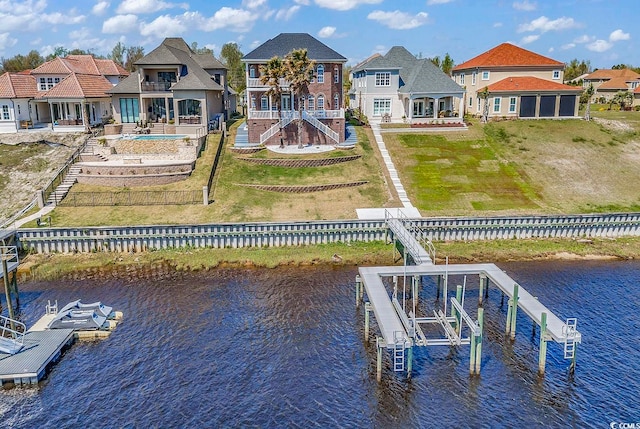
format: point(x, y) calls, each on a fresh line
point(63, 188)
point(323, 128)
point(275, 128)
point(352, 138)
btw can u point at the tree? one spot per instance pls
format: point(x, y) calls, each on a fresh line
point(447, 64)
point(231, 56)
point(20, 62)
point(346, 82)
point(134, 53)
point(299, 72)
point(575, 68)
point(484, 94)
point(622, 98)
point(58, 51)
point(270, 75)
point(588, 93)
point(436, 61)
point(204, 50)
point(117, 53)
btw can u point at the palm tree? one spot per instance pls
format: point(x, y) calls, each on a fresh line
point(270, 74)
point(484, 94)
point(298, 70)
point(588, 94)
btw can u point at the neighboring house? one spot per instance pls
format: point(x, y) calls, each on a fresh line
point(173, 85)
point(520, 84)
point(399, 87)
point(322, 107)
point(64, 94)
point(607, 83)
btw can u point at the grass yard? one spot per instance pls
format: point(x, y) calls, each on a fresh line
point(542, 166)
point(236, 203)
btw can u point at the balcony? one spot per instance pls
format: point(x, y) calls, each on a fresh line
point(156, 86)
point(189, 120)
point(273, 114)
point(254, 82)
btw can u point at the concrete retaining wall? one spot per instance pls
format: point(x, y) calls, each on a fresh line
point(140, 238)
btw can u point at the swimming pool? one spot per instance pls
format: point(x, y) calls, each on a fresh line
point(155, 137)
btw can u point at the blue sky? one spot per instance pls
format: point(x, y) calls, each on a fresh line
point(601, 31)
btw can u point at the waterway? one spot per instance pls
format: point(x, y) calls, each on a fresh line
point(284, 348)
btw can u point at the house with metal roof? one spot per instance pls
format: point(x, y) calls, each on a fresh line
point(65, 94)
point(607, 83)
point(398, 87)
point(322, 107)
point(512, 82)
point(173, 87)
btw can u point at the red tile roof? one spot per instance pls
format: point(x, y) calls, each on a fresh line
point(80, 86)
point(637, 90)
point(604, 74)
point(615, 83)
point(508, 55)
point(529, 83)
point(17, 85)
point(84, 64)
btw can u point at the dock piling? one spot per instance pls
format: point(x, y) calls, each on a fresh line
point(378, 359)
point(483, 280)
point(456, 313)
point(542, 354)
point(367, 309)
point(358, 286)
point(478, 356)
point(514, 310)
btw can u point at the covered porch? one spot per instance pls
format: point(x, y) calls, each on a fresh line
point(69, 114)
point(424, 108)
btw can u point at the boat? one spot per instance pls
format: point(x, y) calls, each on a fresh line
point(81, 320)
point(98, 307)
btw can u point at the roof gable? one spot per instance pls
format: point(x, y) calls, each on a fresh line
point(508, 55)
point(284, 43)
point(17, 85)
point(604, 74)
point(80, 86)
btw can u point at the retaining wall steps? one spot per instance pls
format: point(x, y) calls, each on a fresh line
point(63, 188)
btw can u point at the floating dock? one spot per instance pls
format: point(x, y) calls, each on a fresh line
point(400, 327)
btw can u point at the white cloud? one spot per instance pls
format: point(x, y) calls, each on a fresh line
point(287, 13)
point(100, 7)
point(618, 35)
point(120, 24)
point(497, 25)
point(147, 6)
point(399, 20)
point(583, 39)
point(379, 49)
point(544, 24)
point(253, 4)
point(326, 32)
point(255, 44)
point(237, 20)
point(525, 5)
point(163, 25)
point(6, 41)
point(551, 49)
point(32, 15)
point(529, 39)
point(303, 2)
point(343, 4)
point(599, 46)
point(568, 46)
point(432, 2)
point(63, 18)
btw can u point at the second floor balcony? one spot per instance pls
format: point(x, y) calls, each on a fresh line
point(156, 86)
point(254, 82)
point(293, 114)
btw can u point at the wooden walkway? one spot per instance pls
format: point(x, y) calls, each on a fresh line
point(389, 321)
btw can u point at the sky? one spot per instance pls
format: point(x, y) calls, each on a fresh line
point(600, 31)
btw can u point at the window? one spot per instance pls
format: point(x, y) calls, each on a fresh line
point(320, 102)
point(478, 104)
point(512, 104)
point(556, 74)
point(634, 84)
point(381, 106)
point(485, 75)
point(496, 105)
point(129, 110)
point(301, 102)
point(189, 107)
point(42, 85)
point(462, 79)
point(336, 102)
point(264, 103)
point(252, 72)
point(164, 76)
point(470, 101)
point(253, 101)
point(473, 78)
point(5, 112)
point(320, 73)
point(336, 75)
point(383, 79)
point(49, 82)
point(286, 102)
point(312, 105)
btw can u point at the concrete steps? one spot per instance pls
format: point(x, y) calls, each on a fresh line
point(63, 188)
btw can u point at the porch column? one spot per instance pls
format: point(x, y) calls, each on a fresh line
point(556, 113)
point(537, 115)
point(461, 107)
point(51, 114)
point(436, 106)
point(410, 112)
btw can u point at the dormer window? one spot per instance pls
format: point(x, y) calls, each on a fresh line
point(556, 74)
point(383, 79)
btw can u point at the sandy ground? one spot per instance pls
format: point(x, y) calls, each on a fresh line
point(24, 182)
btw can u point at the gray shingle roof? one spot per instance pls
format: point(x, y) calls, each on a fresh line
point(128, 85)
point(416, 75)
point(284, 43)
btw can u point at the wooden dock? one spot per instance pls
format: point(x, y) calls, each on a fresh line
point(41, 349)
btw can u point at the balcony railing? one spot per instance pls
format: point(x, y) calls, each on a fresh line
point(189, 120)
point(273, 114)
point(156, 86)
point(254, 82)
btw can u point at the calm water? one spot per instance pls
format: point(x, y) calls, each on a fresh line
point(284, 348)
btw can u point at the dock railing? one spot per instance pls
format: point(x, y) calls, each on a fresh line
point(11, 335)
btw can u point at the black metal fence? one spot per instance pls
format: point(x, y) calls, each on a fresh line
point(59, 177)
point(132, 198)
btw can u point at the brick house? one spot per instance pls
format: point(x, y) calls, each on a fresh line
point(322, 107)
point(520, 84)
